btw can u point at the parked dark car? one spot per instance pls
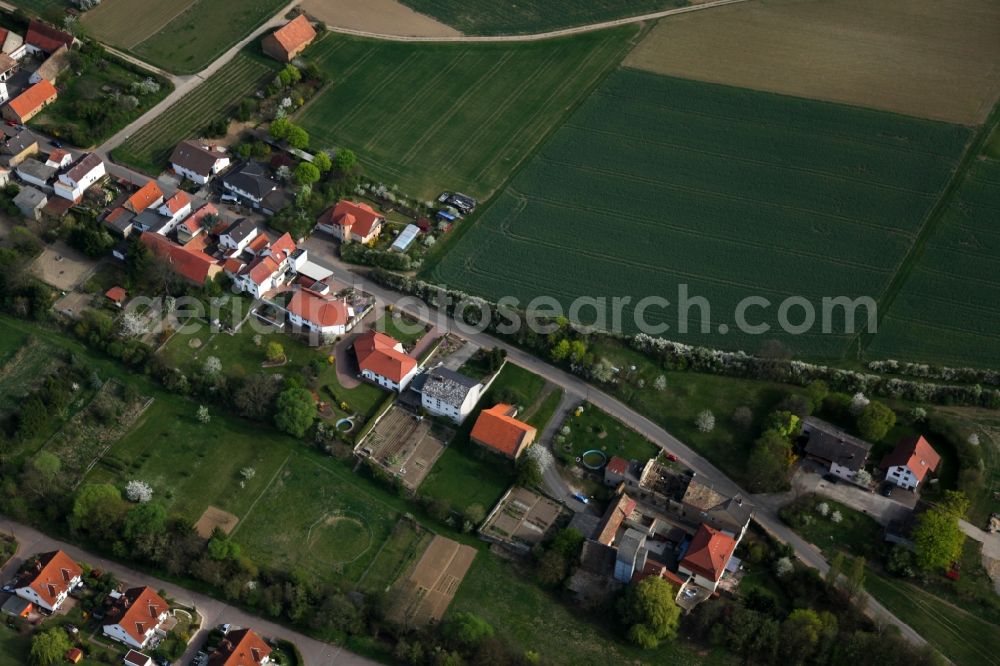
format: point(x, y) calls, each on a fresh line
point(832, 478)
point(887, 488)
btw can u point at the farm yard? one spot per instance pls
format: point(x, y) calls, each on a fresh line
point(948, 308)
point(171, 34)
point(480, 17)
point(924, 58)
point(149, 148)
point(428, 117)
point(733, 192)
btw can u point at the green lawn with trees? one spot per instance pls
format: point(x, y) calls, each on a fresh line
point(591, 428)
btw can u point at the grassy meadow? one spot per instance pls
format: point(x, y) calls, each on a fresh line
point(658, 183)
point(433, 117)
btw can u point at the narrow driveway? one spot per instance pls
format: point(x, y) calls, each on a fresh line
point(214, 612)
point(553, 481)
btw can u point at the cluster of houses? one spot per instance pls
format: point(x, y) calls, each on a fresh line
point(138, 618)
point(29, 66)
point(58, 179)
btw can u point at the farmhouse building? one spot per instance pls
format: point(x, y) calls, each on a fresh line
point(707, 556)
point(147, 196)
point(195, 223)
point(449, 394)
point(198, 161)
point(381, 360)
point(176, 207)
point(59, 158)
point(496, 429)
point(87, 171)
point(29, 104)
point(120, 221)
point(910, 462)
point(30, 202)
point(842, 453)
point(43, 38)
point(12, 44)
point(320, 314)
point(351, 221)
point(8, 67)
point(136, 617)
point(241, 647)
point(613, 519)
point(49, 580)
point(289, 40)
point(193, 265)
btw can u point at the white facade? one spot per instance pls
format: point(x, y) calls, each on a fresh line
point(699, 580)
point(902, 477)
point(175, 218)
point(220, 165)
point(229, 243)
point(118, 633)
point(387, 383)
point(246, 284)
point(33, 180)
point(67, 188)
point(32, 596)
point(456, 413)
point(843, 472)
point(341, 329)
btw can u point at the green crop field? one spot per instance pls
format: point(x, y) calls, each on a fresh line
point(149, 148)
point(948, 310)
point(480, 17)
point(431, 117)
point(171, 34)
point(659, 182)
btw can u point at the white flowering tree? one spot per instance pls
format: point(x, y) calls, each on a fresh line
point(836, 517)
point(131, 325)
point(783, 567)
point(213, 365)
point(823, 509)
point(138, 491)
point(863, 478)
point(973, 439)
point(203, 415)
point(918, 414)
point(705, 421)
point(248, 473)
point(660, 383)
point(858, 403)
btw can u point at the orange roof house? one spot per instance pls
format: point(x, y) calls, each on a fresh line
point(133, 620)
point(910, 462)
point(193, 265)
point(498, 430)
point(50, 580)
point(614, 517)
point(381, 360)
point(148, 195)
point(74, 655)
point(177, 202)
point(43, 37)
point(707, 556)
point(28, 104)
point(351, 221)
point(242, 647)
point(322, 313)
point(289, 40)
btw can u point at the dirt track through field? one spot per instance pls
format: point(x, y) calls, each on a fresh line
point(930, 58)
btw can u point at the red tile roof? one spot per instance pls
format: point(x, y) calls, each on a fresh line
point(27, 103)
point(260, 269)
point(613, 518)
point(356, 218)
point(377, 353)
point(74, 655)
point(295, 34)
point(115, 214)
point(45, 37)
point(133, 658)
point(233, 266)
point(320, 310)
point(618, 465)
point(52, 577)
point(116, 294)
point(654, 568)
point(497, 429)
point(258, 244)
point(242, 647)
point(137, 611)
point(284, 246)
point(58, 155)
point(709, 552)
point(193, 265)
point(194, 219)
point(145, 197)
point(177, 201)
point(916, 453)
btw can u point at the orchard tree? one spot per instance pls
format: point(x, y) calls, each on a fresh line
point(875, 421)
point(322, 162)
point(275, 352)
point(467, 629)
point(296, 411)
point(306, 174)
point(297, 137)
point(705, 421)
point(649, 610)
point(279, 128)
point(97, 510)
point(345, 160)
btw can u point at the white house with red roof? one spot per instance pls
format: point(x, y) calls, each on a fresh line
point(176, 207)
point(241, 647)
point(273, 264)
point(910, 462)
point(351, 221)
point(381, 360)
point(194, 224)
point(321, 314)
point(59, 158)
point(49, 580)
point(136, 617)
point(238, 235)
point(707, 556)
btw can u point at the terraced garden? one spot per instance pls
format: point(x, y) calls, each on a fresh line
point(149, 148)
point(430, 117)
point(658, 182)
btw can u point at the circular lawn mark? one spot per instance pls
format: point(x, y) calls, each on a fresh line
point(339, 538)
point(194, 343)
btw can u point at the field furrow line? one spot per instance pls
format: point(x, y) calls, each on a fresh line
point(361, 105)
point(951, 303)
point(456, 105)
point(951, 276)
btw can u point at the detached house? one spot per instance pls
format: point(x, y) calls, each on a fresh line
point(59, 158)
point(197, 161)
point(18, 145)
point(351, 221)
point(136, 618)
point(195, 223)
point(842, 453)
point(49, 580)
point(910, 462)
point(381, 360)
point(318, 313)
point(176, 208)
point(241, 647)
point(496, 429)
point(148, 196)
point(447, 393)
point(250, 183)
point(238, 235)
point(72, 184)
point(30, 103)
point(707, 556)
point(289, 40)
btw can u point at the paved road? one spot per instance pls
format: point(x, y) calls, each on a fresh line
point(214, 612)
point(538, 36)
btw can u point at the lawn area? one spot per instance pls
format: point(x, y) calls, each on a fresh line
point(433, 117)
point(543, 409)
point(406, 542)
point(14, 648)
point(401, 327)
point(148, 149)
point(959, 635)
point(594, 429)
point(855, 534)
point(480, 17)
point(531, 618)
point(765, 195)
point(171, 36)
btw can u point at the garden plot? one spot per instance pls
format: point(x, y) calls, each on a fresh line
point(522, 519)
point(404, 445)
point(424, 595)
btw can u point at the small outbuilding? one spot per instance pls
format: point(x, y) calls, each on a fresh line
point(30, 202)
point(116, 295)
point(289, 40)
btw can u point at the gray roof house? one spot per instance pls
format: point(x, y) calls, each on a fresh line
point(250, 182)
point(450, 394)
point(828, 444)
point(36, 173)
point(30, 202)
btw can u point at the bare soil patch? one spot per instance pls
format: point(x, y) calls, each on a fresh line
point(62, 267)
point(929, 58)
point(403, 446)
point(383, 17)
point(423, 596)
point(213, 518)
